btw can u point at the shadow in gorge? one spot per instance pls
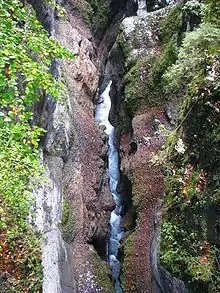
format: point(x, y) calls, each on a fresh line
point(129, 215)
point(100, 245)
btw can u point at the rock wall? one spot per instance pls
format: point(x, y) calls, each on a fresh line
point(74, 154)
point(84, 168)
point(75, 150)
point(140, 136)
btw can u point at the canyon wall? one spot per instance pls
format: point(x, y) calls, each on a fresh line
point(133, 48)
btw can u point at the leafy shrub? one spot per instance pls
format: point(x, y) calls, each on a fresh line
point(26, 53)
point(192, 189)
point(95, 12)
point(212, 12)
point(192, 57)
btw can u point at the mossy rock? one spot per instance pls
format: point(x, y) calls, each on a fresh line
point(67, 222)
point(102, 274)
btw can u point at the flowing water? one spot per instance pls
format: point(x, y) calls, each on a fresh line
point(142, 8)
point(102, 114)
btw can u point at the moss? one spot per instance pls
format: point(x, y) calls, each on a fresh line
point(192, 200)
point(143, 82)
point(123, 44)
point(154, 87)
point(189, 238)
point(172, 24)
point(98, 13)
point(125, 125)
point(68, 222)
point(126, 263)
point(132, 88)
point(84, 8)
point(95, 12)
point(102, 274)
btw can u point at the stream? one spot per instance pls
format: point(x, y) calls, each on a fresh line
point(115, 233)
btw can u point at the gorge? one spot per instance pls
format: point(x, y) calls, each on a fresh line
point(115, 234)
point(126, 194)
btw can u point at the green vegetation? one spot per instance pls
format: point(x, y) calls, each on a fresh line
point(143, 82)
point(95, 12)
point(190, 235)
point(154, 90)
point(172, 24)
point(127, 254)
point(98, 13)
point(26, 53)
point(198, 44)
point(67, 222)
point(102, 274)
point(132, 89)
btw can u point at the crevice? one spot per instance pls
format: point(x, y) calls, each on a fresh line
point(100, 247)
point(133, 148)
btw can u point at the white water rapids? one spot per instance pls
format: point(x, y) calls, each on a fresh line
point(142, 8)
point(102, 114)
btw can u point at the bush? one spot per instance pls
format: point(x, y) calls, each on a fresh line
point(192, 58)
point(192, 182)
point(26, 54)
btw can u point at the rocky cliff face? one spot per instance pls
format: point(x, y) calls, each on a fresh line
point(140, 138)
point(75, 160)
point(149, 44)
point(134, 54)
point(84, 178)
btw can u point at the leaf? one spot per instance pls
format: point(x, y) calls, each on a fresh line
point(6, 52)
point(7, 119)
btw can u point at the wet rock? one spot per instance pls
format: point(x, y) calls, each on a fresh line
point(55, 259)
point(59, 131)
point(170, 284)
point(84, 175)
point(147, 189)
point(73, 153)
point(137, 148)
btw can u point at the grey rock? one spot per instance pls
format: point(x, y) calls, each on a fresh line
point(172, 109)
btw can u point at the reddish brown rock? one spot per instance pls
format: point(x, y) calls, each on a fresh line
point(85, 180)
point(147, 188)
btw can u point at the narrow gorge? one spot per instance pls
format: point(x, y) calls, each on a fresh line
point(110, 146)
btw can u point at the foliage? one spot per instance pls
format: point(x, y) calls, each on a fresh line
point(171, 34)
point(154, 89)
point(194, 7)
point(172, 24)
point(95, 12)
point(26, 53)
point(189, 241)
point(212, 12)
point(145, 80)
point(198, 45)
